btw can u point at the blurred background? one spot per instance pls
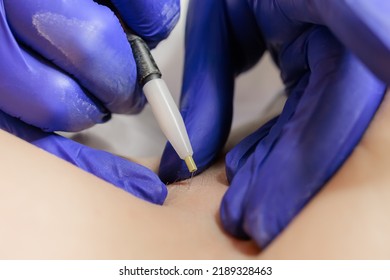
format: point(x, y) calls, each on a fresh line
point(258, 96)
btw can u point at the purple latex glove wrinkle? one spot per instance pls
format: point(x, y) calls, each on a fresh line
point(320, 48)
point(66, 65)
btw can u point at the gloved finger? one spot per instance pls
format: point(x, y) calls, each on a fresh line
point(244, 160)
point(129, 176)
point(153, 20)
point(326, 124)
point(85, 40)
point(207, 92)
point(363, 26)
point(29, 85)
point(237, 157)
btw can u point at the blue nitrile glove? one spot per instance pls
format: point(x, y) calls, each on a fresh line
point(324, 50)
point(66, 65)
point(129, 176)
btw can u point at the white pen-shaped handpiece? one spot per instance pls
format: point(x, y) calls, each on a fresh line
point(158, 95)
point(163, 106)
point(169, 118)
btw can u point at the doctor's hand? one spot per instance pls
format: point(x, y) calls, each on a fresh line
point(66, 65)
point(333, 58)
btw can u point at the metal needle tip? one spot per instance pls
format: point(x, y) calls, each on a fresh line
point(190, 164)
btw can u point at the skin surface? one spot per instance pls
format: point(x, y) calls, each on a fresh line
point(58, 211)
point(51, 210)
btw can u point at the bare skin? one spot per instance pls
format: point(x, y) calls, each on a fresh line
point(56, 211)
point(80, 216)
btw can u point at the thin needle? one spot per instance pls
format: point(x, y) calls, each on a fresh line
point(190, 180)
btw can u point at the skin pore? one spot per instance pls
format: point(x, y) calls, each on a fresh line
point(52, 210)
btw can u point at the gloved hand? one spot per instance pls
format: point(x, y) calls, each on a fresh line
point(326, 51)
point(66, 65)
point(129, 176)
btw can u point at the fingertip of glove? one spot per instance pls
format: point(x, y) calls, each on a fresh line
point(106, 117)
point(231, 221)
point(128, 176)
point(145, 184)
point(172, 168)
point(234, 206)
point(260, 228)
point(158, 192)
